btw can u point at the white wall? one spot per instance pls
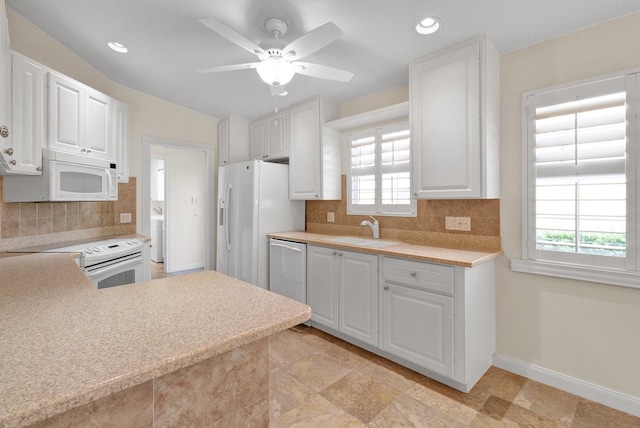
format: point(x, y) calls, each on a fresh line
point(148, 115)
point(581, 329)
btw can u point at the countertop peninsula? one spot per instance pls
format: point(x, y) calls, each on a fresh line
point(65, 343)
point(412, 251)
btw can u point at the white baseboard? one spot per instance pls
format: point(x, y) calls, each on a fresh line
point(605, 396)
point(190, 266)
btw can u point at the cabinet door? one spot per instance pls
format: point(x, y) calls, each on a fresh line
point(5, 76)
point(98, 142)
point(27, 116)
point(418, 326)
point(121, 139)
point(445, 125)
point(66, 104)
point(304, 151)
point(358, 298)
point(322, 285)
point(258, 136)
point(223, 142)
point(277, 136)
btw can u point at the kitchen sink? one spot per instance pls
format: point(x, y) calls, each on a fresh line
point(364, 242)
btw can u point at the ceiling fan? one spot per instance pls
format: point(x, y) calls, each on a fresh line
point(279, 59)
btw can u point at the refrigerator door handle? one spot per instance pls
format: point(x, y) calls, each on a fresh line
point(297, 250)
point(227, 199)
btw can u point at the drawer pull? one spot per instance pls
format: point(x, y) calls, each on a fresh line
point(386, 287)
point(340, 254)
point(413, 274)
point(335, 252)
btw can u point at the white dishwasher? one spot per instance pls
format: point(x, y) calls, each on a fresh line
point(288, 269)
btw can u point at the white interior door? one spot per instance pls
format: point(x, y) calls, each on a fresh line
point(195, 210)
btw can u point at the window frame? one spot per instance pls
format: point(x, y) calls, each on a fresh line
point(628, 273)
point(378, 208)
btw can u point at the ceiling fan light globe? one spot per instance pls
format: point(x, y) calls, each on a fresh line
point(276, 71)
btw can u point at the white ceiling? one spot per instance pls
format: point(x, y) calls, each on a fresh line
point(167, 43)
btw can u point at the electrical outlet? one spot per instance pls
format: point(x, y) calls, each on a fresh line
point(458, 223)
point(331, 217)
point(125, 217)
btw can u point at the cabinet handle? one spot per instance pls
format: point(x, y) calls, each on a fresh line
point(265, 156)
point(413, 274)
point(340, 254)
point(335, 252)
point(88, 150)
point(4, 131)
point(39, 168)
point(83, 150)
point(9, 151)
point(13, 162)
point(386, 288)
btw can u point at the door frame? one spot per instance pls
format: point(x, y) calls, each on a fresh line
point(209, 229)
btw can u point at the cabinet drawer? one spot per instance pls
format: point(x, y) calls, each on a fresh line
point(426, 276)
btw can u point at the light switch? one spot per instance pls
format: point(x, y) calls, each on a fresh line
point(125, 217)
point(331, 217)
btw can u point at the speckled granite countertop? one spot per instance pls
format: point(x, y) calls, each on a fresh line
point(63, 343)
point(399, 249)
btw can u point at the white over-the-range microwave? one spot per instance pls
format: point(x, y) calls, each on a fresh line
point(65, 177)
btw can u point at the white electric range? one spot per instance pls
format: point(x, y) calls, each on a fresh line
point(111, 262)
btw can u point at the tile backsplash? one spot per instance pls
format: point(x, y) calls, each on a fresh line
point(428, 227)
point(33, 223)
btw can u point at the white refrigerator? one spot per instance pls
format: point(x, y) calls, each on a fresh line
point(253, 200)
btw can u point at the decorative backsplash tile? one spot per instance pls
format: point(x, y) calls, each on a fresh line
point(427, 227)
point(30, 219)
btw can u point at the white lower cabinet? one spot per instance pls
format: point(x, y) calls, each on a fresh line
point(418, 326)
point(342, 292)
point(433, 318)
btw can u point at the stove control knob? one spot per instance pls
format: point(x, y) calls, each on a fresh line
point(88, 250)
point(96, 249)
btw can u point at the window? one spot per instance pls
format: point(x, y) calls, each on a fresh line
point(379, 180)
point(580, 204)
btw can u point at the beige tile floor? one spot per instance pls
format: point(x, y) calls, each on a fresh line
point(320, 381)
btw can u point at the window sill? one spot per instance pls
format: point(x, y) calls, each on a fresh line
point(583, 273)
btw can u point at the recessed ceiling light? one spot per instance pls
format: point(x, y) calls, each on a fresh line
point(428, 25)
point(118, 47)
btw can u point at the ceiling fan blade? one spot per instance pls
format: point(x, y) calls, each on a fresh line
point(233, 36)
point(228, 67)
point(313, 41)
point(322, 71)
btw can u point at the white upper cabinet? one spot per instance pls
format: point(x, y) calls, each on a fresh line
point(233, 140)
point(28, 116)
point(269, 137)
point(454, 111)
point(79, 119)
point(314, 151)
point(120, 124)
point(5, 84)
point(98, 140)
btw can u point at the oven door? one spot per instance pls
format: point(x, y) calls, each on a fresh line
point(125, 270)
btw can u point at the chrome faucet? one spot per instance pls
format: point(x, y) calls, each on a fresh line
point(375, 226)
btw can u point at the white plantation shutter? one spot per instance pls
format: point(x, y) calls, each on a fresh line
point(395, 163)
point(363, 169)
point(379, 171)
point(577, 140)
